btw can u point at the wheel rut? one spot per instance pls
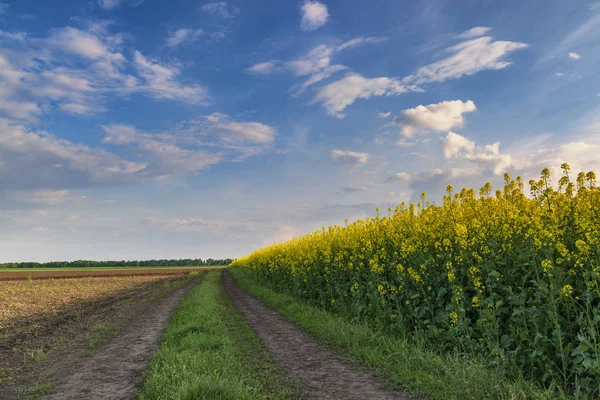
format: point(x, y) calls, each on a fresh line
point(320, 372)
point(115, 371)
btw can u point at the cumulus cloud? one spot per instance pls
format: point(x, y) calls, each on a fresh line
point(336, 96)
point(161, 81)
point(314, 15)
point(434, 117)
point(474, 32)
point(487, 157)
point(491, 158)
point(467, 58)
point(574, 56)
point(384, 115)
point(183, 36)
point(454, 143)
point(350, 157)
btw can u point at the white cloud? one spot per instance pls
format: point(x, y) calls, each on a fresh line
point(384, 115)
point(403, 143)
point(75, 71)
point(360, 41)
point(574, 56)
point(491, 158)
point(350, 157)
point(39, 159)
point(558, 74)
point(108, 5)
point(316, 65)
point(193, 224)
point(181, 149)
point(454, 143)
point(581, 155)
point(336, 96)
point(487, 157)
point(78, 109)
point(467, 58)
point(264, 67)
point(399, 177)
point(161, 81)
point(314, 15)
point(183, 36)
point(220, 9)
point(474, 32)
point(48, 72)
point(19, 109)
point(221, 126)
point(14, 36)
point(50, 197)
point(167, 157)
point(434, 117)
point(33, 160)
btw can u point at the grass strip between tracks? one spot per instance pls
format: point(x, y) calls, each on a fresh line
point(209, 352)
point(404, 364)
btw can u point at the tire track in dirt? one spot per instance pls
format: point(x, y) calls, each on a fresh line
point(115, 370)
point(320, 371)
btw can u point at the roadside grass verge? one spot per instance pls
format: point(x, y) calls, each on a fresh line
point(405, 364)
point(209, 352)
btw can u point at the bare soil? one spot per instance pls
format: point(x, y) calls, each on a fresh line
point(320, 371)
point(116, 369)
point(24, 274)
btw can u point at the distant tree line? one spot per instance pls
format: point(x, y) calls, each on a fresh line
point(148, 263)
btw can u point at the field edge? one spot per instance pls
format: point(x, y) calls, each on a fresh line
point(404, 364)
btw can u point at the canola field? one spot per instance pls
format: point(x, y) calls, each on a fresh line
point(511, 277)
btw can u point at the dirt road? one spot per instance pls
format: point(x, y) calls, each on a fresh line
point(320, 371)
point(115, 370)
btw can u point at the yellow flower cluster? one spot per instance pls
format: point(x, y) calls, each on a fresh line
point(532, 261)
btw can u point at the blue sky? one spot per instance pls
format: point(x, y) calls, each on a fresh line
point(132, 129)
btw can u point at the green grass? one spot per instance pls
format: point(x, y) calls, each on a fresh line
point(405, 364)
point(25, 270)
point(42, 387)
point(209, 352)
